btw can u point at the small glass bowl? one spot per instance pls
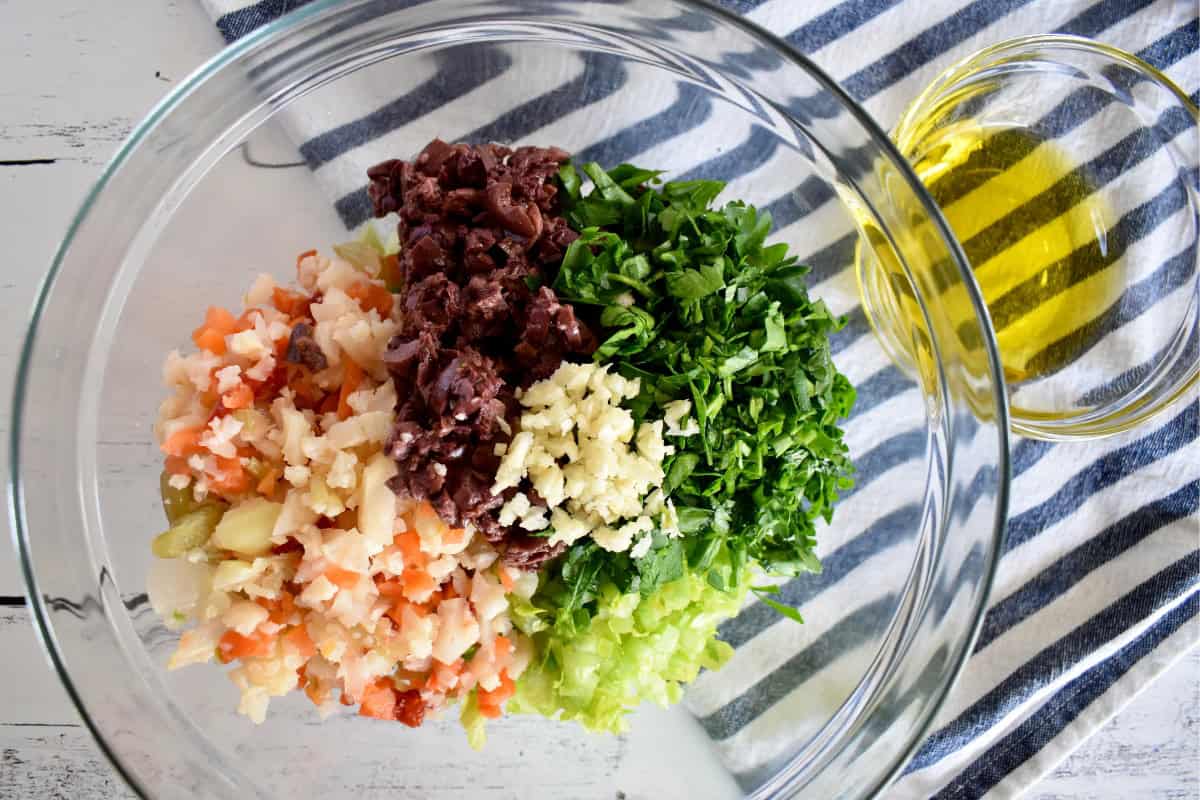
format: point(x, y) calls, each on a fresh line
point(182, 219)
point(1068, 171)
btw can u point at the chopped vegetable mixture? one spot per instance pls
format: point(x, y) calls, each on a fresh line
point(526, 457)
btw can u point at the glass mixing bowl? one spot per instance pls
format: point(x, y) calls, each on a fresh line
point(184, 217)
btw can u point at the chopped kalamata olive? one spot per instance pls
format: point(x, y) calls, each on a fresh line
point(483, 239)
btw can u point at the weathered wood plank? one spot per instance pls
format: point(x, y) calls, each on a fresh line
point(46, 749)
point(79, 87)
point(78, 77)
point(55, 761)
point(86, 73)
point(1150, 751)
point(30, 693)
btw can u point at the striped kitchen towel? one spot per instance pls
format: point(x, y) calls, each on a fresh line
point(1099, 586)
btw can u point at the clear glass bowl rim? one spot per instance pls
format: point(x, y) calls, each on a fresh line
point(279, 28)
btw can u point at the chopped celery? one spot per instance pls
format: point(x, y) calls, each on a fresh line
point(370, 237)
point(473, 722)
point(633, 649)
point(361, 256)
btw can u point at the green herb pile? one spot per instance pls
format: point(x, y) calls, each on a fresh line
point(696, 305)
point(691, 300)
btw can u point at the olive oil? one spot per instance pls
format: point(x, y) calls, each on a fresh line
point(1036, 233)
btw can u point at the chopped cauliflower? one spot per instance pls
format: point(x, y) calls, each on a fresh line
point(332, 590)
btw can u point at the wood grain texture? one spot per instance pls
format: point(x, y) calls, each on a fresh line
point(80, 89)
point(55, 761)
point(1150, 751)
point(78, 75)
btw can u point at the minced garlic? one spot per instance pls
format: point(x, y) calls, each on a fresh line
point(583, 455)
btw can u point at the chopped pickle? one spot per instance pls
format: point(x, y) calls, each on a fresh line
point(176, 503)
point(188, 532)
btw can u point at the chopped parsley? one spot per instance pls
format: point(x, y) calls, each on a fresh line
point(694, 302)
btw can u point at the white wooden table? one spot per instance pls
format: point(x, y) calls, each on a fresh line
point(75, 76)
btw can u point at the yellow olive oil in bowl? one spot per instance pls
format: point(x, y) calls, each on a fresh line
point(1065, 169)
point(1036, 233)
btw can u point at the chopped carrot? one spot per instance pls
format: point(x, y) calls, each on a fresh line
point(444, 676)
point(396, 614)
point(315, 693)
point(417, 582)
point(183, 442)
point(390, 272)
point(218, 319)
point(298, 638)
point(342, 578)
point(388, 552)
point(330, 404)
point(410, 547)
point(379, 700)
point(490, 712)
point(210, 340)
point(287, 607)
point(176, 465)
point(279, 609)
point(454, 536)
point(233, 645)
point(211, 335)
point(372, 295)
point(503, 646)
point(294, 304)
point(303, 256)
point(266, 486)
point(351, 378)
point(211, 400)
point(246, 321)
point(230, 476)
point(506, 578)
point(497, 697)
point(240, 396)
point(267, 389)
point(389, 587)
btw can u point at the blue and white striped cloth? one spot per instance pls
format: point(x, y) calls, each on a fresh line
point(1099, 588)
